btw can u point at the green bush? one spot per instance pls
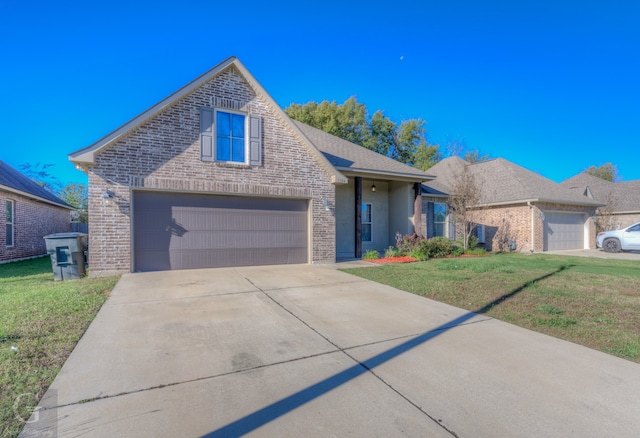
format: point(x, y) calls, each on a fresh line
point(473, 241)
point(370, 254)
point(406, 244)
point(393, 252)
point(476, 251)
point(419, 255)
point(436, 247)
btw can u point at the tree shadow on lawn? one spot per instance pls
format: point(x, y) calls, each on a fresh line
point(269, 413)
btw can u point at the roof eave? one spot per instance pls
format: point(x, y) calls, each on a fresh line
point(380, 174)
point(87, 155)
point(34, 197)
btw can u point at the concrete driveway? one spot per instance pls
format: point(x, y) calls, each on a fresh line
point(311, 351)
point(598, 253)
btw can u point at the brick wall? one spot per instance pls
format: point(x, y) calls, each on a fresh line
point(164, 154)
point(513, 223)
point(33, 220)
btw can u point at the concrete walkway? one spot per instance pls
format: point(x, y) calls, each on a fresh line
point(311, 351)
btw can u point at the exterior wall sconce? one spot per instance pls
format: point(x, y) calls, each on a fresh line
point(108, 198)
point(373, 187)
point(325, 202)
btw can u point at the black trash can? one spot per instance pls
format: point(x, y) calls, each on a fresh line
point(67, 254)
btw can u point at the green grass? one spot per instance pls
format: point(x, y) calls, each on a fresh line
point(43, 320)
point(589, 301)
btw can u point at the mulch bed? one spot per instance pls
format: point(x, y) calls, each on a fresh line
point(402, 259)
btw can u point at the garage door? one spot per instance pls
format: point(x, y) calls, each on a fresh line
point(187, 231)
point(563, 231)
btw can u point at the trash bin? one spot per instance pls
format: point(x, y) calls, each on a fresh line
point(67, 254)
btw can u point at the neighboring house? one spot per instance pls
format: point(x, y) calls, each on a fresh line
point(622, 199)
point(217, 175)
point(31, 212)
point(518, 209)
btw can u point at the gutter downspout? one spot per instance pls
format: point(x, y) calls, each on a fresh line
point(533, 234)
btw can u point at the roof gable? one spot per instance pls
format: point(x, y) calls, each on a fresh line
point(86, 156)
point(624, 195)
point(14, 181)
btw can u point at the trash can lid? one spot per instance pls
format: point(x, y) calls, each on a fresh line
point(64, 235)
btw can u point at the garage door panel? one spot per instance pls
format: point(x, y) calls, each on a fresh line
point(563, 231)
point(187, 231)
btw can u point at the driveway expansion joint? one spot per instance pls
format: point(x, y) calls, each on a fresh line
point(362, 364)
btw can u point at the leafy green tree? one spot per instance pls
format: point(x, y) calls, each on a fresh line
point(410, 136)
point(475, 157)
point(39, 173)
point(606, 171)
point(382, 134)
point(76, 195)
point(427, 156)
point(347, 121)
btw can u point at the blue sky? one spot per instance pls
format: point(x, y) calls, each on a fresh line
point(553, 86)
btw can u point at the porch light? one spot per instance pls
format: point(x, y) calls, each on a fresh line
point(373, 187)
point(107, 198)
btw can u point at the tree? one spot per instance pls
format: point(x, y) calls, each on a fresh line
point(457, 147)
point(347, 121)
point(464, 196)
point(475, 157)
point(76, 195)
point(426, 157)
point(382, 133)
point(40, 175)
point(606, 171)
point(406, 142)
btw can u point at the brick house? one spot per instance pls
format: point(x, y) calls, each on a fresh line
point(31, 212)
point(216, 174)
point(518, 209)
point(622, 199)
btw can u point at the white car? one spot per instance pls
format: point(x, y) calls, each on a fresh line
point(626, 239)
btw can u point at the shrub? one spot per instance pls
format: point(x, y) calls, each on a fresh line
point(473, 241)
point(419, 255)
point(476, 251)
point(370, 254)
point(392, 252)
point(406, 244)
point(436, 247)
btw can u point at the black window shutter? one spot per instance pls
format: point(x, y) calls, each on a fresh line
point(206, 134)
point(431, 226)
point(255, 141)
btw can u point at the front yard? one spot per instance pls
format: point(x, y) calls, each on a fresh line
point(40, 323)
point(592, 302)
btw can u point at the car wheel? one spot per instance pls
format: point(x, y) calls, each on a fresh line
point(611, 245)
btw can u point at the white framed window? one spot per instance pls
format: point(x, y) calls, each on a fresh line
point(230, 137)
point(230, 142)
point(10, 222)
point(367, 223)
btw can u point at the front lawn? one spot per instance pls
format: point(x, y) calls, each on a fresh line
point(592, 302)
point(40, 323)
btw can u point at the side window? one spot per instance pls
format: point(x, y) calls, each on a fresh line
point(366, 223)
point(440, 219)
point(10, 221)
point(230, 137)
point(634, 228)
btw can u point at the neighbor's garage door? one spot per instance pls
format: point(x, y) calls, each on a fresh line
point(185, 231)
point(563, 231)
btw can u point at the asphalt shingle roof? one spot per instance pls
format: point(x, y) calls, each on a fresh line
point(11, 178)
point(347, 156)
point(625, 194)
point(501, 181)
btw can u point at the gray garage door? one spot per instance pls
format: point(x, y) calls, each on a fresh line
point(563, 231)
point(187, 231)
